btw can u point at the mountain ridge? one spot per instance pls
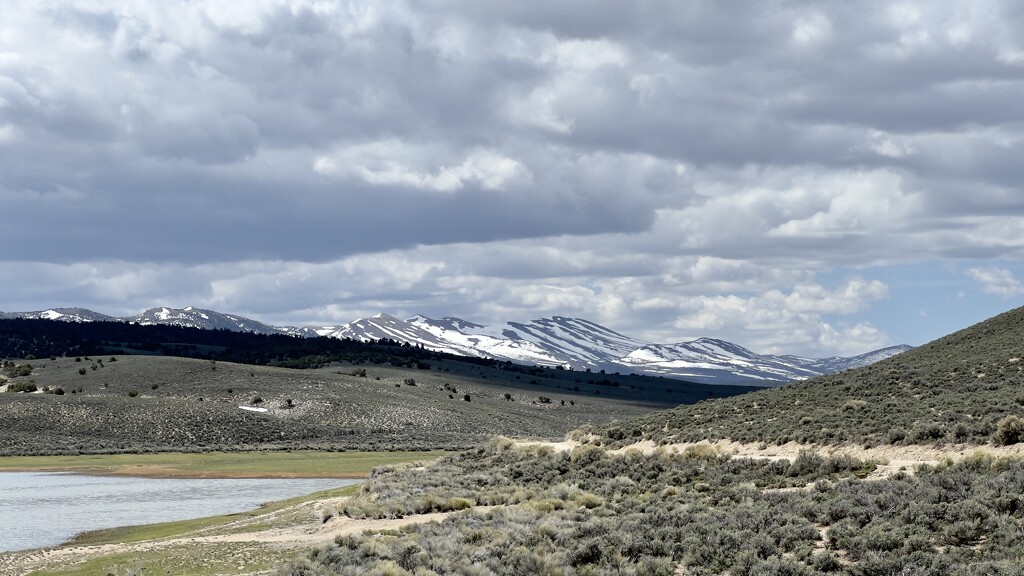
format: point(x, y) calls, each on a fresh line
point(557, 341)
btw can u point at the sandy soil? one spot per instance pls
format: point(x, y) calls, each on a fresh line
point(890, 459)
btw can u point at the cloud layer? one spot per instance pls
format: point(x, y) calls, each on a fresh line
point(671, 169)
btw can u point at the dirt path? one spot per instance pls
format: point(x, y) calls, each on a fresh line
point(890, 459)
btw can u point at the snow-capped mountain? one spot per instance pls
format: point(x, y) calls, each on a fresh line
point(187, 317)
point(64, 314)
point(581, 344)
point(205, 319)
point(557, 341)
point(384, 326)
point(706, 358)
point(838, 363)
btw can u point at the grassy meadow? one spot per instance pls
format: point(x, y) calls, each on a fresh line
point(298, 464)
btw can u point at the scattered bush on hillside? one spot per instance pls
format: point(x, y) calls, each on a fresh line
point(1010, 430)
point(17, 370)
point(29, 386)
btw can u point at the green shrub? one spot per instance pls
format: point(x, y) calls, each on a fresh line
point(18, 370)
point(1010, 430)
point(457, 504)
point(29, 386)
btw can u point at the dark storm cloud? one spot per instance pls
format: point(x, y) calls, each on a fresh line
point(196, 135)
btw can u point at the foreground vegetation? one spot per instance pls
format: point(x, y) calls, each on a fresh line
point(967, 387)
point(594, 512)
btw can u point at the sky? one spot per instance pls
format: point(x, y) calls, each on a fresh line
point(817, 178)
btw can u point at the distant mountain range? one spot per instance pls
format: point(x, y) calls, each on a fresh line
point(557, 341)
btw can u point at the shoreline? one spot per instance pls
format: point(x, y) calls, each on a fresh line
point(172, 474)
point(89, 542)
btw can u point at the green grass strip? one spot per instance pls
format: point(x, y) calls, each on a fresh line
point(297, 464)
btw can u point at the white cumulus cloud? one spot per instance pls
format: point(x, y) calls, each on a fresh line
point(998, 281)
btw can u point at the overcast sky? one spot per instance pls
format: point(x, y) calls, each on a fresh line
point(804, 177)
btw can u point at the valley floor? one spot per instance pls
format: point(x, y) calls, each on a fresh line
point(257, 542)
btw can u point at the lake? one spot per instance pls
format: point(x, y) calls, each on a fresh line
point(45, 509)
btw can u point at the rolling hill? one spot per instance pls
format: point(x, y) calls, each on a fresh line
point(245, 391)
point(957, 389)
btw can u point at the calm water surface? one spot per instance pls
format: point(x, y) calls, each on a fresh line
point(43, 509)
